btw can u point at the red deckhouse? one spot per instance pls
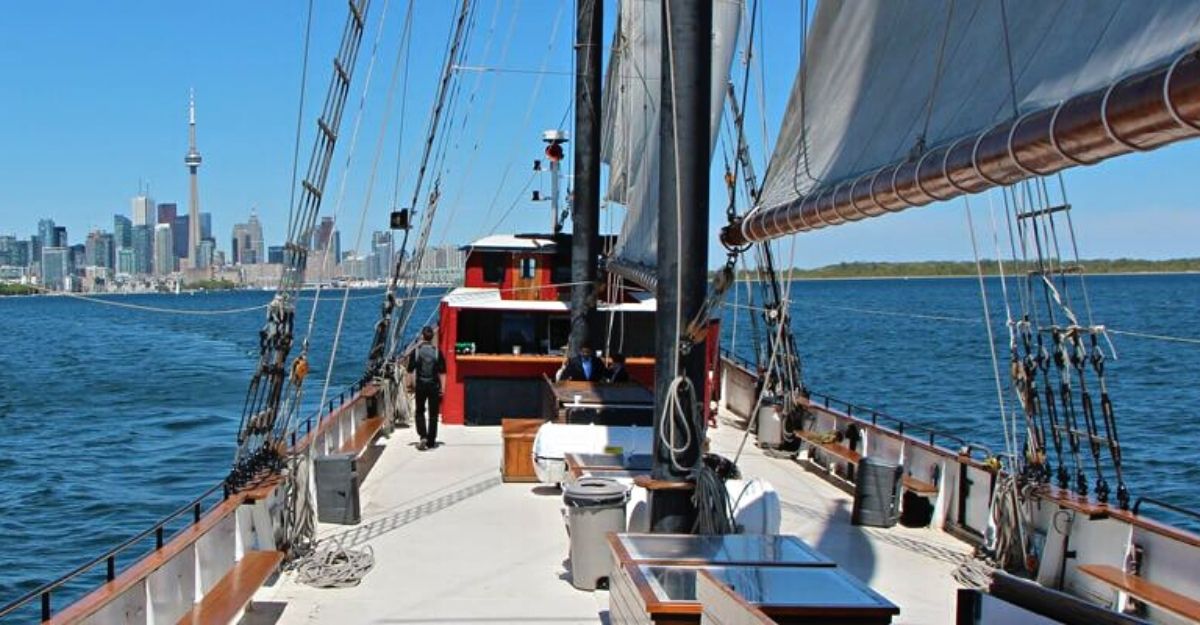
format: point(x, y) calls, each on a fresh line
point(505, 330)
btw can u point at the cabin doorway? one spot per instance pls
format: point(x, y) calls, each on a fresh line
point(524, 270)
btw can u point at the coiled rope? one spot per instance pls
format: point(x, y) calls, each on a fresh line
point(334, 566)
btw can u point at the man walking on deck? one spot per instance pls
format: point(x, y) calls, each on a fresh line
point(428, 368)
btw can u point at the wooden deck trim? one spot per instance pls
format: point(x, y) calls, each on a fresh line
point(905, 439)
point(1156, 527)
point(366, 432)
point(1071, 501)
point(326, 422)
point(751, 612)
point(102, 596)
point(235, 590)
point(919, 487)
point(1151, 593)
point(649, 483)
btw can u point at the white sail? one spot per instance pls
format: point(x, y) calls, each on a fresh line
point(632, 105)
point(871, 90)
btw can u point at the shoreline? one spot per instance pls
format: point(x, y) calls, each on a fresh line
point(968, 276)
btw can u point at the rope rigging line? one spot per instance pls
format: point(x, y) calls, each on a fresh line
point(257, 449)
point(1009, 441)
point(154, 309)
point(386, 329)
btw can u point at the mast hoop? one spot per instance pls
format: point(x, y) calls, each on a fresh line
point(1108, 129)
point(1166, 90)
point(817, 210)
point(801, 214)
point(921, 185)
point(946, 173)
point(836, 210)
point(859, 214)
point(896, 194)
point(1054, 137)
point(975, 156)
point(1012, 154)
point(871, 190)
point(787, 215)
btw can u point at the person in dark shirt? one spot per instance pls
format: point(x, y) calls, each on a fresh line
point(429, 371)
point(585, 367)
point(617, 371)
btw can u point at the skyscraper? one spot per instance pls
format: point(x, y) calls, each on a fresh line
point(167, 212)
point(21, 254)
point(45, 236)
point(122, 232)
point(126, 261)
point(55, 267)
point(381, 254)
point(59, 239)
point(143, 249)
point(204, 256)
point(99, 250)
point(326, 238)
point(164, 250)
point(240, 245)
point(179, 232)
point(254, 229)
point(206, 226)
point(8, 246)
point(144, 211)
point(192, 160)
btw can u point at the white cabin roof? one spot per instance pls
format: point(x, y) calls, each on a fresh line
point(511, 242)
point(489, 299)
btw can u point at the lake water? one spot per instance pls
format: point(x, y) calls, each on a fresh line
point(114, 417)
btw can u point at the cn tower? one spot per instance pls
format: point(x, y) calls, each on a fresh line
point(192, 160)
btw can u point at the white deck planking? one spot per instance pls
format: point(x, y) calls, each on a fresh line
point(455, 545)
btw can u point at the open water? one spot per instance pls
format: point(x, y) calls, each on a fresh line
point(111, 417)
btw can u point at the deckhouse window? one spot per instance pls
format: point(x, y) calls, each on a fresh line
point(528, 268)
point(493, 267)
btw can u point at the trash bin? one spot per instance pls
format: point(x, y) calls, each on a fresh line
point(769, 426)
point(595, 507)
point(336, 476)
point(876, 493)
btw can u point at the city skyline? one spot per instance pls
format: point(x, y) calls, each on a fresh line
point(247, 75)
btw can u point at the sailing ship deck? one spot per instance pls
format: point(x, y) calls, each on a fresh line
point(453, 544)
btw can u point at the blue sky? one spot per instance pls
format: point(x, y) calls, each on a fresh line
point(94, 100)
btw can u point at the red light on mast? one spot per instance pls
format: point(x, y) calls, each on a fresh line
point(554, 152)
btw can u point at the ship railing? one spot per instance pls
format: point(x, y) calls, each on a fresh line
point(1166, 505)
point(196, 508)
point(882, 420)
point(878, 419)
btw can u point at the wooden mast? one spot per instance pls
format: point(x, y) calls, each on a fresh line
point(682, 254)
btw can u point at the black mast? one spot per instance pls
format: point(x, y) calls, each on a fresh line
point(585, 219)
point(682, 252)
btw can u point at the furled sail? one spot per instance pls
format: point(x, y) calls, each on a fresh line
point(632, 104)
point(906, 102)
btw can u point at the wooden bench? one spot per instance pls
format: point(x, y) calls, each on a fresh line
point(367, 430)
point(1138, 587)
point(841, 451)
point(233, 593)
point(134, 575)
point(918, 487)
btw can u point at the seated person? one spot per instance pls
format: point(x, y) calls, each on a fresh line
point(585, 367)
point(617, 371)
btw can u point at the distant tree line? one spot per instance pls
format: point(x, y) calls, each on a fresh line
point(934, 268)
point(16, 289)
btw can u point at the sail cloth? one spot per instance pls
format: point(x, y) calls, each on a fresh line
point(883, 83)
point(632, 103)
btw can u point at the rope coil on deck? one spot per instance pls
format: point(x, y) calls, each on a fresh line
point(334, 566)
